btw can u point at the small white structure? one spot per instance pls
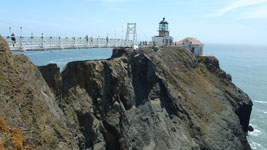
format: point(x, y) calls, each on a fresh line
point(191, 44)
point(164, 38)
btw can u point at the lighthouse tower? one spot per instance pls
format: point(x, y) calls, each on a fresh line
point(164, 38)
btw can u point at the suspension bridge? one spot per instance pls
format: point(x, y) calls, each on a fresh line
point(24, 43)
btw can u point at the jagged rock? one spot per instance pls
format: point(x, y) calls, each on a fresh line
point(250, 128)
point(212, 64)
point(4, 46)
point(52, 76)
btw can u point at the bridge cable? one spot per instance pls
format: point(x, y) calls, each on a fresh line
point(145, 37)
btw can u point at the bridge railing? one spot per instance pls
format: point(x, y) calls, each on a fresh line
point(43, 43)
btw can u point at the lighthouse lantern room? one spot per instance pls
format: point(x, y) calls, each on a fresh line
point(163, 28)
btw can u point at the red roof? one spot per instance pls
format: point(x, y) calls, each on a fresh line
point(191, 39)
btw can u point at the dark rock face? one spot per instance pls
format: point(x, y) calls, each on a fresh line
point(138, 99)
point(250, 129)
point(52, 76)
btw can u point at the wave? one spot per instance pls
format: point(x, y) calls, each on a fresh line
point(62, 60)
point(261, 102)
point(256, 146)
point(36, 52)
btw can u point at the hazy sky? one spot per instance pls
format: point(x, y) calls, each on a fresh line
point(211, 21)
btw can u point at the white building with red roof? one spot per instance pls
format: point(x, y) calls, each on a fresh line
point(191, 44)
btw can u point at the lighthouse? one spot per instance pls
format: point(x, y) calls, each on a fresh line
point(163, 38)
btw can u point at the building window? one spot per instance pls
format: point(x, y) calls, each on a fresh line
point(193, 50)
point(163, 27)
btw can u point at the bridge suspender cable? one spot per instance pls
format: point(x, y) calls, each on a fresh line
point(145, 36)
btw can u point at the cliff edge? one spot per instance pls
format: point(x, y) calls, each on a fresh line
point(137, 99)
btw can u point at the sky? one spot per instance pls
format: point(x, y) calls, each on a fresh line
point(211, 21)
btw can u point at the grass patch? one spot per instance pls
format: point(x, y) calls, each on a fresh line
point(148, 51)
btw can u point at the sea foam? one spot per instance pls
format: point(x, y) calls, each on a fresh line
point(256, 146)
point(261, 102)
point(256, 132)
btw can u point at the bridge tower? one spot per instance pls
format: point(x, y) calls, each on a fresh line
point(131, 30)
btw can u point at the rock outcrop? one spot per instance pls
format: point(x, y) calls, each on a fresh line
point(28, 106)
point(155, 100)
point(52, 76)
point(137, 99)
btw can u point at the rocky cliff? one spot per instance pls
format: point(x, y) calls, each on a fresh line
point(137, 99)
point(28, 107)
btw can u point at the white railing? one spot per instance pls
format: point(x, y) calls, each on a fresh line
point(48, 43)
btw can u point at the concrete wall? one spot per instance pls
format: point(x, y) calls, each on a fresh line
point(197, 50)
point(162, 40)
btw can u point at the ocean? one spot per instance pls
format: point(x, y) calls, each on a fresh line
point(246, 64)
point(62, 57)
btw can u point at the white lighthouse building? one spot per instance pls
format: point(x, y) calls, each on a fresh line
point(164, 38)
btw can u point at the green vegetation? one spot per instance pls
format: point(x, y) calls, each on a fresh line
point(7, 136)
point(180, 96)
point(180, 49)
point(200, 59)
point(148, 51)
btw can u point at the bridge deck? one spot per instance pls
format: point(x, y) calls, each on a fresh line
point(53, 43)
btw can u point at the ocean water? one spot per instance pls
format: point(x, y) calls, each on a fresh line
point(62, 57)
point(246, 64)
